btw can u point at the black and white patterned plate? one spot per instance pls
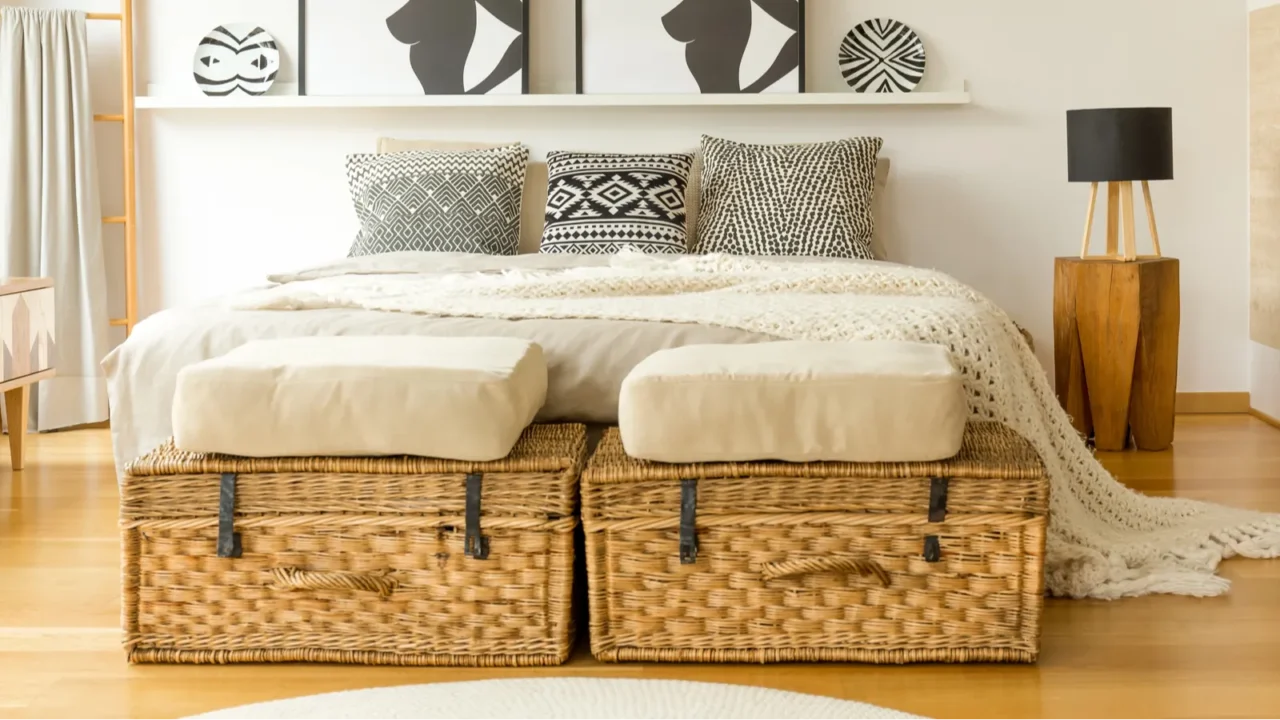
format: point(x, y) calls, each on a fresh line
point(882, 56)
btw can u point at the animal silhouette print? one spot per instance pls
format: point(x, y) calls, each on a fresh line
point(442, 33)
point(716, 33)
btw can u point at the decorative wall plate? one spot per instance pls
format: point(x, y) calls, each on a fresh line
point(882, 56)
point(240, 56)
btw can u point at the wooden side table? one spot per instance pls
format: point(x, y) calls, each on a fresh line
point(28, 341)
point(1116, 327)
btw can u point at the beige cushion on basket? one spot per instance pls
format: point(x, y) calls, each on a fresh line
point(873, 401)
point(534, 205)
point(452, 398)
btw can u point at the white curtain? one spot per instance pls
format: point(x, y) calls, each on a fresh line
point(50, 211)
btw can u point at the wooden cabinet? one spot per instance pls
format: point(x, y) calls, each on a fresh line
point(29, 344)
point(1116, 327)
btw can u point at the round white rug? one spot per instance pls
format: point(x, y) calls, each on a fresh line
point(562, 698)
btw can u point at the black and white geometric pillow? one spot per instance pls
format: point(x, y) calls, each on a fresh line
point(438, 201)
point(792, 200)
point(597, 203)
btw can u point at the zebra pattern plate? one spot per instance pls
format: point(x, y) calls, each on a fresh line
point(882, 56)
point(240, 56)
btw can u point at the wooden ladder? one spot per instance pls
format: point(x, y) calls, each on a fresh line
point(130, 218)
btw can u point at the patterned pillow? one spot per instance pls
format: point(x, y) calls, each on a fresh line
point(599, 202)
point(441, 201)
point(799, 200)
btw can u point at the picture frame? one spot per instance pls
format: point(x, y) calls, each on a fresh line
point(412, 47)
point(770, 55)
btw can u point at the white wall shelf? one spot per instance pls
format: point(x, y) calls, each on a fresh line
point(200, 102)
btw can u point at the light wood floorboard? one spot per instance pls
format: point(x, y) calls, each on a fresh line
point(1147, 657)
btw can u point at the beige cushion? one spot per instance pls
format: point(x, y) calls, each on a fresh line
point(534, 205)
point(878, 401)
point(452, 398)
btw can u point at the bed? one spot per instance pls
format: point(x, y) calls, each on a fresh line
point(597, 317)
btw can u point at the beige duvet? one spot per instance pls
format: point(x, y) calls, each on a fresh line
point(587, 359)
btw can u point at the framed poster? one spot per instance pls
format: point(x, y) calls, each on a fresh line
point(413, 47)
point(691, 46)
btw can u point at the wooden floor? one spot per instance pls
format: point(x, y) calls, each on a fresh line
point(1149, 657)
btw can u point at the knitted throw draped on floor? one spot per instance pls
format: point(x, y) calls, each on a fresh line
point(1105, 541)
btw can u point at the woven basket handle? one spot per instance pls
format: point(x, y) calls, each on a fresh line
point(790, 568)
point(298, 579)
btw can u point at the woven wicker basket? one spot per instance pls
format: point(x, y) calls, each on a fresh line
point(777, 562)
point(353, 560)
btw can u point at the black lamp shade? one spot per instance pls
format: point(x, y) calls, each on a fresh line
point(1120, 144)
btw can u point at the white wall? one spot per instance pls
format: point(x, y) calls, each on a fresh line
point(977, 191)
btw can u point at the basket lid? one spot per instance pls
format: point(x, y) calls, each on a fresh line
point(990, 451)
point(542, 448)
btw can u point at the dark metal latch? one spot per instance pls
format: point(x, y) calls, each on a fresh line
point(938, 488)
point(228, 538)
point(688, 522)
point(474, 544)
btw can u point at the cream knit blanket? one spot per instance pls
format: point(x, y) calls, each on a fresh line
point(1105, 541)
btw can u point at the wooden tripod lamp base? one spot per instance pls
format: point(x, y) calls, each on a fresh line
point(1120, 222)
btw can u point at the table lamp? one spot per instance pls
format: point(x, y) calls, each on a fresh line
point(1120, 146)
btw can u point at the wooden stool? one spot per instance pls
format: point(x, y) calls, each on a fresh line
point(1116, 327)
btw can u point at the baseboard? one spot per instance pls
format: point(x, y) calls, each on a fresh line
point(1212, 403)
point(104, 425)
point(1273, 422)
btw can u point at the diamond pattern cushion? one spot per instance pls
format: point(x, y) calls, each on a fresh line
point(439, 201)
point(599, 202)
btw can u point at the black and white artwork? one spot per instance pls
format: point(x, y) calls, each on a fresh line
point(882, 56)
point(691, 46)
point(414, 47)
point(238, 57)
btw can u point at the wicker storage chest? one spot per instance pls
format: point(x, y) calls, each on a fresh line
point(385, 561)
point(776, 562)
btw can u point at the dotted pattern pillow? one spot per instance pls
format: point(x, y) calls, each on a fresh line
point(597, 203)
point(438, 201)
point(795, 200)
